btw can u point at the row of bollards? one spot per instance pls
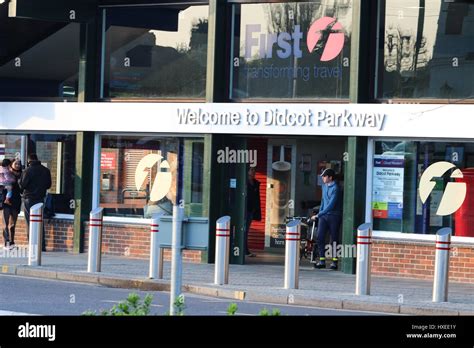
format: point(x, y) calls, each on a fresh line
point(441, 271)
point(292, 250)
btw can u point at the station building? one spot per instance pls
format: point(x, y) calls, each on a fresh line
point(139, 105)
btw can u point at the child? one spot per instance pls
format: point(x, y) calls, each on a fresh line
point(7, 179)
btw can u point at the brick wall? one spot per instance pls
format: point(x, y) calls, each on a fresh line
point(416, 260)
point(131, 241)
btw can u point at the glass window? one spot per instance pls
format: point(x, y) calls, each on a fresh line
point(197, 172)
point(406, 200)
point(291, 50)
point(38, 59)
point(156, 52)
point(139, 175)
point(428, 50)
point(10, 147)
point(56, 152)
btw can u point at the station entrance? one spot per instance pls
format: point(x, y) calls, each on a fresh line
point(287, 169)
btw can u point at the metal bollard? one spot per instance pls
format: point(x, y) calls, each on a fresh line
point(221, 268)
point(441, 272)
point(292, 254)
point(36, 235)
point(176, 257)
point(95, 240)
point(156, 267)
point(364, 246)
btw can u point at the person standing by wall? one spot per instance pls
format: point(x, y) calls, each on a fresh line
point(7, 179)
point(253, 212)
point(330, 216)
point(34, 183)
point(13, 207)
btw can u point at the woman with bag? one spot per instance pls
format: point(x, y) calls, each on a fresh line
point(12, 208)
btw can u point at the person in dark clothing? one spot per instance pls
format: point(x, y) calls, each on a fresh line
point(253, 212)
point(34, 183)
point(330, 217)
point(12, 209)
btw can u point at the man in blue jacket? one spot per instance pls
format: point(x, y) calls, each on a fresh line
point(330, 217)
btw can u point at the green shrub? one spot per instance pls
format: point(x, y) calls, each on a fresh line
point(232, 309)
point(265, 312)
point(131, 306)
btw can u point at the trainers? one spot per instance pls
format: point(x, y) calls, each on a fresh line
point(333, 265)
point(320, 264)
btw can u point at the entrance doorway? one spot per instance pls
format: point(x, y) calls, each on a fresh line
point(288, 169)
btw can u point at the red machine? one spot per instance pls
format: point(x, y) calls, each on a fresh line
point(464, 216)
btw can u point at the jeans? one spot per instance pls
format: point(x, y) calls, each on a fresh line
point(327, 223)
point(10, 216)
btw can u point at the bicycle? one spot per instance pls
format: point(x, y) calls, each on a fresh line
point(308, 245)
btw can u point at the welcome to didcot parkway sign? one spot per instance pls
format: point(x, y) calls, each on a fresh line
point(373, 120)
point(281, 117)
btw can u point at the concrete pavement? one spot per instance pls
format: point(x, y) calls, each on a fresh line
point(257, 282)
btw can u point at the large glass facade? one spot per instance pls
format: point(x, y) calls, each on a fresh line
point(156, 52)
point(403, 200)
point(295, 50)
point(428, 50)
point(139, 175)
point(38, 59)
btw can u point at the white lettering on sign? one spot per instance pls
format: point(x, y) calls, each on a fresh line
point(351, 119)
point(283, 117)
point(187, 116)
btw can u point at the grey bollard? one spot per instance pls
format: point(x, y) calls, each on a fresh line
point(176, 257)
point(221, 267)
point(292, 254)
point(441, 272)
point(364, 247)
point(94, 260)
point(36, 235)
point(156, 267)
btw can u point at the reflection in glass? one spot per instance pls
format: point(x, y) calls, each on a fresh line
point(428, 50)
point(276, 55)
point(38, 59)
point(156, 52)
point(139, 176)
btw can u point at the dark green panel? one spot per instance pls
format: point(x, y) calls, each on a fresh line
point(54, 10)
point(83, 185)
point(216, 81)
point(363, 47)
point(88, 62)
point(355, 177)
point(216, 194)
point(362, 81)
point(225, 200)
point(237, 208)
